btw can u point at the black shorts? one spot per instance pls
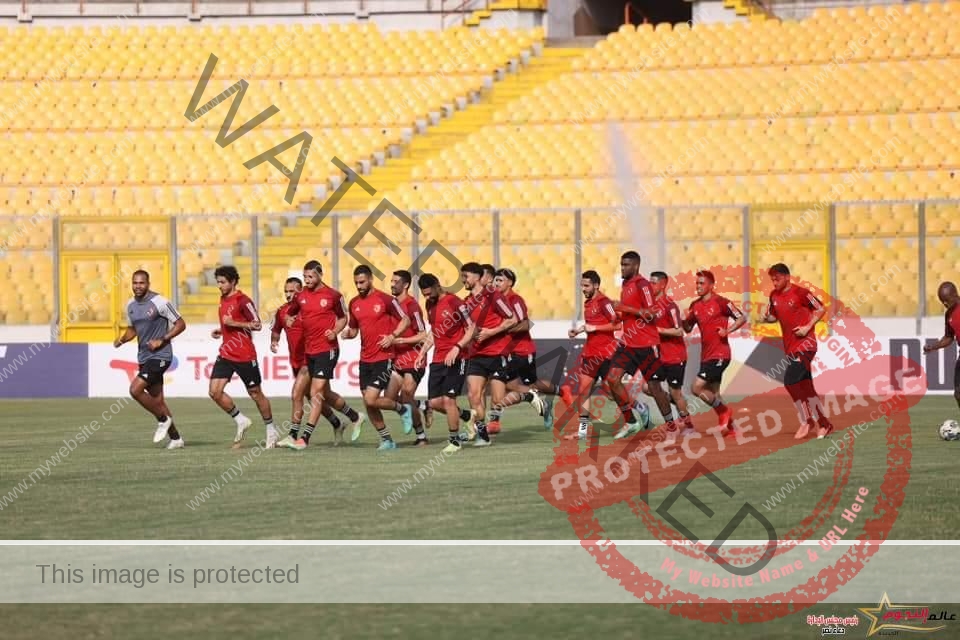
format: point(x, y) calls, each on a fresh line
point(375, 375)
point(249, 372)
point(672, 374)
point(323, 365)
point(646, 360)
point(799, 368)
point(523, 368)
point(152, 371)
point(446, 381)
point(712, 370)
point(417, 374)
point(490, 367)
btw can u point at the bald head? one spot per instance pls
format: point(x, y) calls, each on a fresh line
point(947, 293)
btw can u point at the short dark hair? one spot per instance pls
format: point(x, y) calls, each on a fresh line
point(508, 274)
point(592, 276)
point(428, 281)
point(362, 270)
point(140, 272)
point(472, 267)
point(313, 265)
point(229, 272)
point(488, 269)
point(660, 275)
point(294, 279)
point(631, 255)
point(780, 268)
point(404, 275)
point(708, 275)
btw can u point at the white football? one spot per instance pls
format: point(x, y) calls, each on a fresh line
point(950, 430)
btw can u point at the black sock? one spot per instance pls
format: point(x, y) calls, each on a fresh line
point(627, 411)
point(455, 438)
point(350, 413)
point(384, 433)
point(481, 430)
point(307, 432)
point(160, 417)
point(234, 412)
point(418, 428)
point(527, 397)
point(401, 408)
point(173, 433)
point(334, 421)
point(268, 420)
point(294, 430)
point(464, 415)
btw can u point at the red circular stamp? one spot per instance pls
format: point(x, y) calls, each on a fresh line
point(724, 583)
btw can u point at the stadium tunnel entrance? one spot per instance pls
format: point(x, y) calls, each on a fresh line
point(608, 15)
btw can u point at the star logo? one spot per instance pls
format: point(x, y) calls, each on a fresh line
point(901, 617)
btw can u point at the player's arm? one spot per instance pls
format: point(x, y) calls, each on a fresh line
point(175, 322)
point(470, 329)
point(128, 335)
point(817, 313)
point(523, 320)
point(612, 325)
point(676, 330)
point(948, 339)
point(340, 309)
point(423, 349)
point(507, 319)
point(395, 310)
point(353, 328)
point(276, 328)
point(739, 319)
point(769, 315)
point(643, 307)
point(416, 321)
point(689, 321)
point(251, 317)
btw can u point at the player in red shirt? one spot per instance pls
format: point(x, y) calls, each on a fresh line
point(298, 364)
point(406, 375)
point(639, 350)
point(238, 319)
point(323, 315)
point(379, 320)
point(712, 313)
point(947, 293)
point(798, 311)
point(451, 330)
point(673, 348)
point(519, 382)
point(601, 323)
point(485, 361)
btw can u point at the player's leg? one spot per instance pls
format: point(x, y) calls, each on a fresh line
point(371, 398)
point(674, 380)
point(408, 391)
point(443, 386)
point(382, 375)
point(334, 400)
point(622, 363)
point(155, 389)
point(298, 394)
point(798, 379)
point(138, 391)
point(476, 383)
point(249, 374)
point(222, 371)
point(707, 388)
point(320, 368)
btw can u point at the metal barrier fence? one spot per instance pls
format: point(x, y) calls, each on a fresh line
point(884, 259)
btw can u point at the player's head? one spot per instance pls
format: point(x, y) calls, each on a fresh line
point(489, 274)
point(947, 293)
point(504, 280)
point(589, 283)
point(470, 275)
point(629, 264)
point(291, 287)
point(140, 283)
point(400, 282)
point(780, 274)
point(312, 273)
point(659, 281)
point(430, 287)
point(705, 282)
point(227, 279)
point(363, 278)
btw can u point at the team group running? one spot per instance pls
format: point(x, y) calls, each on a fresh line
point(479, 343)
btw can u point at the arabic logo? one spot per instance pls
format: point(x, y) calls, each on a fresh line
point(899, 616)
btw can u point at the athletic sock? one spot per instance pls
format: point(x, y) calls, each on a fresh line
point(173, 433)
point(384, 433)
point(334, 421)
point(481, 430)
point(268, 422)
point(421, 434)
point(294, 430)
point(401, 409)
point(495, 415)
point(160, 417)
point(423, 405)
point(527, 397)
point(307, 432)
point(234, 412)
point(627, 412)
point(455, 438)
point(351, 413)
point(464, 415)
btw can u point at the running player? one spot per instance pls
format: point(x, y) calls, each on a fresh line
point(519, 382)
point(451, 330)
point(640, 349)
point(798, 311)
point(673, 349)
point(712, 313)
point(600, 326)
point(379, 320)
point(238, 355)
point(406, 375)
point(298, 364)
point(947, 293)
point(154, 323)
point(324, 317)
point(485, 361)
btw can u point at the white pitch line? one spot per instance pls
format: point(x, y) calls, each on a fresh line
point(444, 543)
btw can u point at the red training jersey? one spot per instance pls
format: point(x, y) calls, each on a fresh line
point(295, 344)
point(711, 316)
point(237, 343)
point(951, 321)
point(375, 315)
point(520, 343)
point(638, 331)
point(448, 324)
point(794, 308)
point(673, 349)
point(319, 309)
point(488, 310)
point(598, 310)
